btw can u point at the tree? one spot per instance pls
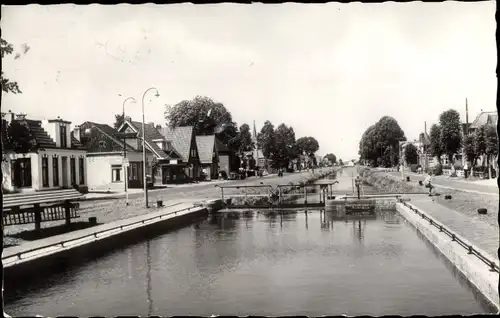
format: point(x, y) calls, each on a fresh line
point(286, 147)
point(243, 141)
point(331, 157)
point(411, 154)
point(7, 85)
point(341, 163)
point(367, 145)
point(307, 145)
point(118, 121)
point(469, 150)
point(380, 142)
point(206, 116)
point(266, 140)
point(451, 132)
point(388, 134)
point(17, 138)
point(436, 146)
point(491, 142)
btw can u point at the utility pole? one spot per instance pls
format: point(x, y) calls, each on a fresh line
point(466, 129)
point(425, 146)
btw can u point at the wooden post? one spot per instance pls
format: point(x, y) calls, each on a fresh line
point(319, 194)
point(67, 212)
point(38, 217)
point(305, 195)
point(279, 195)
point(222, 194)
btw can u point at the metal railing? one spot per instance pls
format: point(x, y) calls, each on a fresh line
point(470, 249)
point(121, 227)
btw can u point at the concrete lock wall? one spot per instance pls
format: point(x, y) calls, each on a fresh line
point(474, 270)
point(20, 273)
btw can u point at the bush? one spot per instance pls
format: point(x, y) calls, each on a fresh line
point(438, 170)
point(458, 166)
point(446, 167)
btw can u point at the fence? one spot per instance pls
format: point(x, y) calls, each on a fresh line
point(470, 249)
point(95, 234)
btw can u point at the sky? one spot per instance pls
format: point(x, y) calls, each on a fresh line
point(328, 70)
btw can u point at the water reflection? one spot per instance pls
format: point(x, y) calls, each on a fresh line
point(148, 278)
point(245, 266)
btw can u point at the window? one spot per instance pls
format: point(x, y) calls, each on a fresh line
point(81, 167)
point(63, 135)
point(55, 171)
point(21, 172)
point(116, 173)
point(72, 165)
point(45, 172)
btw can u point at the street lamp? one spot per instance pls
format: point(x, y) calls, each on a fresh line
point(144, 145)
point(125, 166)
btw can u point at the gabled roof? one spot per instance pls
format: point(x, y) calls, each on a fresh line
point(109, 132)
point(151, 133)
point(484, 118)
point(206, 145)
point(42, 138)
point(180, 138)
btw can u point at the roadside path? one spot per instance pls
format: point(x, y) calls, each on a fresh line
point(462, 185)
point(474, 228)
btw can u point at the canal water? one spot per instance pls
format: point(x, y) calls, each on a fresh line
point(257, 263)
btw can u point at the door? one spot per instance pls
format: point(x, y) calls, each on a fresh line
point(64, 168)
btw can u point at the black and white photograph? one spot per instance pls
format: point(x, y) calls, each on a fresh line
point(250, 159)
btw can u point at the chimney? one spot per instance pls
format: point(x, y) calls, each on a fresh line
point(10, 116)
point(21, 116)
point(77, 133)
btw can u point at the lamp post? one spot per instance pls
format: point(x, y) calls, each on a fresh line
point(125, 166)
point(144, 146)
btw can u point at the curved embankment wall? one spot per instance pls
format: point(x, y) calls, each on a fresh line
point(472, 268)
point(385, 183)
point(475, 271)
point(302, 180)
point(24, 273)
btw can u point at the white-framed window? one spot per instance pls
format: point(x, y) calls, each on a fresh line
point(116, 173)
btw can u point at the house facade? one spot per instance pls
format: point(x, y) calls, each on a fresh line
point(225, 157)
point(187, 166)
point(106, 151)
point(209, 159)
point(58, 163)
point(168, 164)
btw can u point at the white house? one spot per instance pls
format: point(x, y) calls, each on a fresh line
point(59, 162)
point(105, 157)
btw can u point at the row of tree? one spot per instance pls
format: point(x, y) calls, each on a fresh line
point(447, 138)
point(209, 117)
point(379, 145)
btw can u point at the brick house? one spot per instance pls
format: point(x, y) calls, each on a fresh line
point(187, 167)
point(169, 163)
point(209, 158)
point(105, 153)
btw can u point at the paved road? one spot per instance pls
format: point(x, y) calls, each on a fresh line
point(448, 183)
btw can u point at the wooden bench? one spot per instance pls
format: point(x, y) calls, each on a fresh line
point(43, 206)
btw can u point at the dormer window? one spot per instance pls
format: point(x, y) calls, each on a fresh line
point(63, 136)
